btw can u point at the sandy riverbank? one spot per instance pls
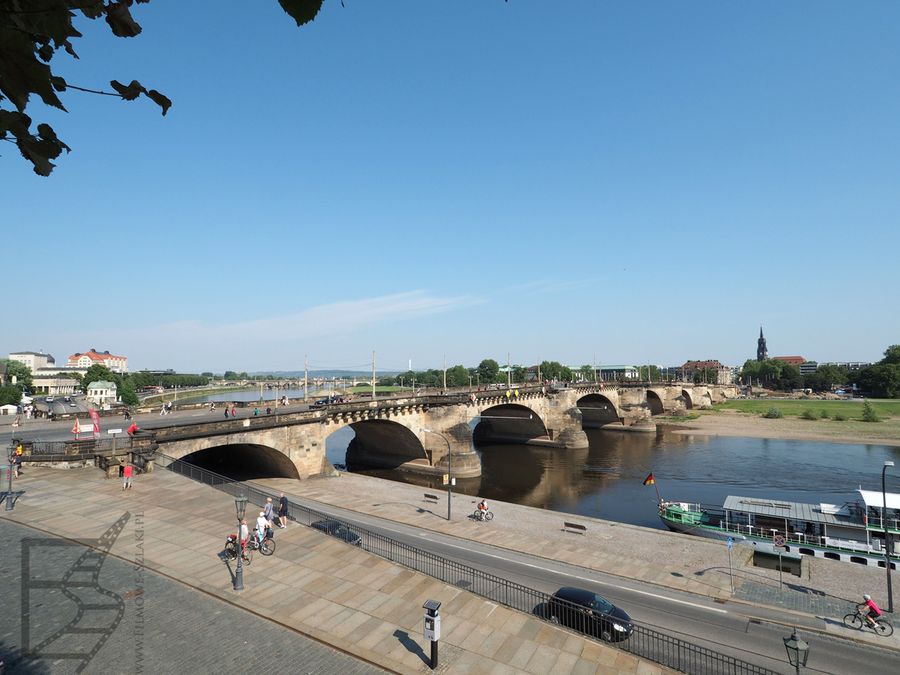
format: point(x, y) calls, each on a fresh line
point(733, 423)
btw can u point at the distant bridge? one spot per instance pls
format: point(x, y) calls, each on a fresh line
point(425, 434)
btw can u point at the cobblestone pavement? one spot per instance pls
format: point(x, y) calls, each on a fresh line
point(795, 600)
point(140, 621)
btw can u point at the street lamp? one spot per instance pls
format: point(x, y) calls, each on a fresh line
point(9, 470)
point(449, 473)
point(240, 507)
point(887, 537)
point(797, 650)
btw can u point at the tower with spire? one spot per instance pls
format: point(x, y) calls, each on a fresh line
point(761, 352)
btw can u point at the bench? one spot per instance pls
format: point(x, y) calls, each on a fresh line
point(433, 498)
point(581, 529)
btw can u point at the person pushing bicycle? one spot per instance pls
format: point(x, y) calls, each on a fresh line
point(869, 606)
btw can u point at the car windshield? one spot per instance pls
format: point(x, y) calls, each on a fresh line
point(601, 605)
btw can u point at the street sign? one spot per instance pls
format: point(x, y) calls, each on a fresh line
point(114, 431)
point(778, 541)
point(730, 543)
point(446, 478)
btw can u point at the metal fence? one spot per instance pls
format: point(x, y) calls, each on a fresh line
point(642, 641)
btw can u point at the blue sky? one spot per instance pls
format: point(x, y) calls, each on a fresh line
point(619, 182)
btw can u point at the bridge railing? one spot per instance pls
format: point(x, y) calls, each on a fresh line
point(37, 451)
point(644, 642)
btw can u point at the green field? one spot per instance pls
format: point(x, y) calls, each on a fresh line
point(790, 407)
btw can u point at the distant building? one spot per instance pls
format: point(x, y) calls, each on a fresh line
point(102, 392)
point(117, 364)
point(613, 373)
point(761, 352)
point(712, 369)
point(808, 368)
point(790, 360)
point(34, 360)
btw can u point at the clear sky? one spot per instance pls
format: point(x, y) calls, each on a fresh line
point(618, 182)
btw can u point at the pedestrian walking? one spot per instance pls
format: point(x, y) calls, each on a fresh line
point(282, 511)
point(127, 474)
point(17, 465)
point(269, 511)
point(226, 411)
point(233, 411)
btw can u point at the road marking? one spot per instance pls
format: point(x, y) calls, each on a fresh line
point(575, 576)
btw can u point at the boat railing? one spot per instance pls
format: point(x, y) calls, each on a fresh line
point(715, 517)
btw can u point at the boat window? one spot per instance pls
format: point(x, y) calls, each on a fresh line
point(832, 556)
point(858, 560)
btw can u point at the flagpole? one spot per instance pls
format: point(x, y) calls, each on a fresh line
point(658, 498)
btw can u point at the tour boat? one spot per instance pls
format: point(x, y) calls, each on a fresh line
point(853, 532)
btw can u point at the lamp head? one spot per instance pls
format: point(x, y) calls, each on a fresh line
point(889, 463)
point(240, 506)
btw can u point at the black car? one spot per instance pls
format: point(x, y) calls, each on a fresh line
point(589, 613)
point(339, 530)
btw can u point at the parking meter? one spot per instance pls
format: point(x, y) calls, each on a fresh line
point(432, 629)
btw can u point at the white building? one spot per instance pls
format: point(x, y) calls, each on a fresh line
point(102, 392)
point(117, 364)
point(33, 360)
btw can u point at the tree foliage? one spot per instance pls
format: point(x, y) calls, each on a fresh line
point(488, 371)
point(21, 372)
point(10, 395)
point(33, 32)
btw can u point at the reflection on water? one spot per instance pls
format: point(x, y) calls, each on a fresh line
point(606, 480)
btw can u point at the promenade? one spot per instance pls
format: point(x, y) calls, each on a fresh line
point(179, 611)
point(827, 590)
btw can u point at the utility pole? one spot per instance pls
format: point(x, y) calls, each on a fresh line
point(508, 373)
point(305, 376)
point(373, 374)
point(445, 373)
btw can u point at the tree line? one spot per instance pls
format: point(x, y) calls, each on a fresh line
point(879, 380)
point(485, 373)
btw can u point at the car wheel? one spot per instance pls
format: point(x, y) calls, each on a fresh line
point(606, 635)
point(554, 619)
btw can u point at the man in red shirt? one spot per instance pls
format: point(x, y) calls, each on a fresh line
point(127, 474)
point(874, 610)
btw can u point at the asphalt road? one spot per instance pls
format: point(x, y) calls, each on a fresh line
point(750, 633)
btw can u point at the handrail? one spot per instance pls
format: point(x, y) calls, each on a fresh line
point(644, 642)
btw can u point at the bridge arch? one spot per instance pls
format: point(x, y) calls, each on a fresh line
point(243, 461)
point(655, 403)
point(687, 399)
point(523, 425)
point(597, 410)
point(384, 444)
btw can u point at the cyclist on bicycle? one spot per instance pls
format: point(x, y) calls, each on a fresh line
point(483, 508)
point(262, 524)
point(874, 611)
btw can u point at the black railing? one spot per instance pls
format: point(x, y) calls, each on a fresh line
point(636, 639)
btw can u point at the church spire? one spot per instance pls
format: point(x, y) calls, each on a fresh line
point(761, 352)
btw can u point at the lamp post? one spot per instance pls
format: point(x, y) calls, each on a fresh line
point(240, 507)
point(449, 473)
point(797, 650)
point(9, 474)
point(887, 537)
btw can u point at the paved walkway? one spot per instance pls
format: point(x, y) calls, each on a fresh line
point(314, 585)
point(827, 590)
point(199, 633)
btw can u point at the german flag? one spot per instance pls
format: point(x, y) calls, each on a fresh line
point(650, 480)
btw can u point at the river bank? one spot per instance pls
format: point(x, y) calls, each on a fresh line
point(734, 423)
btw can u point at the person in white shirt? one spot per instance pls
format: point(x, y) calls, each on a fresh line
point(262, 524)
point(245, 534)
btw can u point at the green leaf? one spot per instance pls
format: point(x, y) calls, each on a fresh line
point(162, 101)
point(302, 11)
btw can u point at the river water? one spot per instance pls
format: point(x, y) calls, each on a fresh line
point(606, 479)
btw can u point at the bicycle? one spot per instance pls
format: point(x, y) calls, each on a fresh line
point(483, 515)
point(231, 550)
point(857, 620)
point(266, 547)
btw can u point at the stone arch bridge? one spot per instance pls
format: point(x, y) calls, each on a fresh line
point(432, 435)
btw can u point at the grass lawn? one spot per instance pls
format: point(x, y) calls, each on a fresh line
point(884, 408)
